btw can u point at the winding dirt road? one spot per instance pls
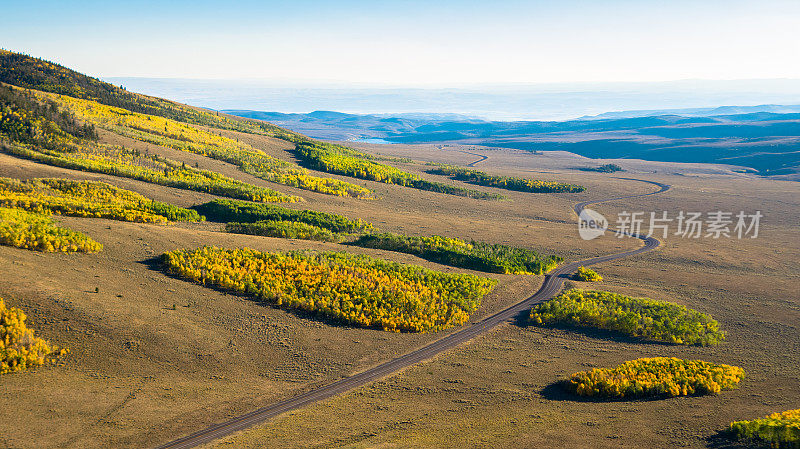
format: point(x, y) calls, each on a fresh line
point(551, 285)
point(482, 158)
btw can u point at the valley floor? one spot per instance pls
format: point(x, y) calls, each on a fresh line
point(153, 357)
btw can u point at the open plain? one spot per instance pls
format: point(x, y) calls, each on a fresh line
point(154, 357)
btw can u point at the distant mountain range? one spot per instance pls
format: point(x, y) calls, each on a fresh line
point(701, 112)
point(502, 102)
point(765, 138)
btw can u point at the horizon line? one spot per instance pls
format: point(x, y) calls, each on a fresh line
point(286, 82)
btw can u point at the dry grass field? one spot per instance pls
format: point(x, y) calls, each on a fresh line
point(153, 357)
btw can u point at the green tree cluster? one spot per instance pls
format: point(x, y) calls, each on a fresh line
point(643, 318)
point(224, 211)
point(285, 230)
point(505, 182)
point(780, 430)
point(473, 255)
point(587, 275)
point(20, 348)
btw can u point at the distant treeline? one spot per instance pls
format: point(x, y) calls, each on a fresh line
point(504, 182)
point(607, 168)
point(225, 211)
point(473, 255)
point(332, 158)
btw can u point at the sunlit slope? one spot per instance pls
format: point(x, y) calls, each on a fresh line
point(32, 73)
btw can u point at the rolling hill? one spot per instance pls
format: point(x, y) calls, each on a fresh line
point(193, 266)
point(752, 137)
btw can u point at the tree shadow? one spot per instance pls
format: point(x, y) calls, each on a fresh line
point(724, 440)
point(556, 391)
point(153, 263)
point(522, 320)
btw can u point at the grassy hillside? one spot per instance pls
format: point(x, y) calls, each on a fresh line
point(183, 137)
point(655, 377)
point(154, 357)
point(32, 73)
point(41, 129)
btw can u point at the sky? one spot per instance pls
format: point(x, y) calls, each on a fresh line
point(413, 43)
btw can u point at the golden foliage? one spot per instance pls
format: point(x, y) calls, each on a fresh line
point(455, 252)
point(181, 136)
point(20, 349)
point(120, 161)
point(37, 127)
point(355, 289)
point(285, 229)
point(780, 429)
point(587, 275)
point(658, 376)
point(34, 231)
point(88, 199)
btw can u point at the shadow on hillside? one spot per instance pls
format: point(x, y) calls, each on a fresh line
point(722, 440)
point(523, 321)
point(556, 392)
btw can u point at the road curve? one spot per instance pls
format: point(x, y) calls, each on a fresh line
point(481, 156)
point(551, 285)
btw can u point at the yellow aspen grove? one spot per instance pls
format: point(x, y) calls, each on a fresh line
point(88, 199)
point(779, 429)
point(658, 376)
point(41, 129)
point(20, 349)
point(181, 136)
point(587, 275)
point(350, 288)
point(29, 230)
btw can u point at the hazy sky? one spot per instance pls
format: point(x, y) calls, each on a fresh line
point(413, 42)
